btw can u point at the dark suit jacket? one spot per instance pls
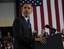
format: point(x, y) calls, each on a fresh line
point(22, 34)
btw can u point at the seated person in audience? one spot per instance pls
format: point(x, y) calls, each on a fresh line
point(45, 34)
point(63, 36)
point(4, 43)
point(1, 45)
point(34, 34)
point(1, 35)
point(9, 46)
point(42, 33)
point(9, 37)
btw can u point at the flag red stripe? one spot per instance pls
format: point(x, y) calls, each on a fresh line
point(35, 19)
point(42, 17)
point(57, 15)
point(19, 10)
point(49, 13)
point(63, 9)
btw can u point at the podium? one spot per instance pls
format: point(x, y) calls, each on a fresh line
point(53, 42)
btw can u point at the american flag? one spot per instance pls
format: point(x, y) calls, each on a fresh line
point(49, 12)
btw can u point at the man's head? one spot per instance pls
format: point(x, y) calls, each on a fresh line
point(27, 9)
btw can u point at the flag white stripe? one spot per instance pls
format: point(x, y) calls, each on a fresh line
point(32, 21)
point(53, 13)
point(60, 14)
point(45, 14)
point(39, 19)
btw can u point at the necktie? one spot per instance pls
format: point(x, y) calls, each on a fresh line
point(28, 23)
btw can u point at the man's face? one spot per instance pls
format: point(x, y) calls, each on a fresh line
point(26, 9)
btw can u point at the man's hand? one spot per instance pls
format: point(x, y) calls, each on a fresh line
point(42, 40)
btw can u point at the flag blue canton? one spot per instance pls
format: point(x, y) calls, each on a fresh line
point(32, 2)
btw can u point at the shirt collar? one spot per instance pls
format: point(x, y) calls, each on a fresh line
point(26, 18)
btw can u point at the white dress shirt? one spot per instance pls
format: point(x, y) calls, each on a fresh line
point(26, 18)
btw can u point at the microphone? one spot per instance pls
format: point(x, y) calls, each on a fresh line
point(47, 26)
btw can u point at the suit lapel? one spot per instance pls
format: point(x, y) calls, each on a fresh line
point(26, 25)
point(25, 22)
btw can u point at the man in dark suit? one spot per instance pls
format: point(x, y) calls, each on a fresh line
point(22, 32)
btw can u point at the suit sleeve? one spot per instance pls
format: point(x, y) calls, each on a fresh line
point(17, 34)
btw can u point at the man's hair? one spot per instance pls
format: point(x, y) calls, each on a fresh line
point(27, 3)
